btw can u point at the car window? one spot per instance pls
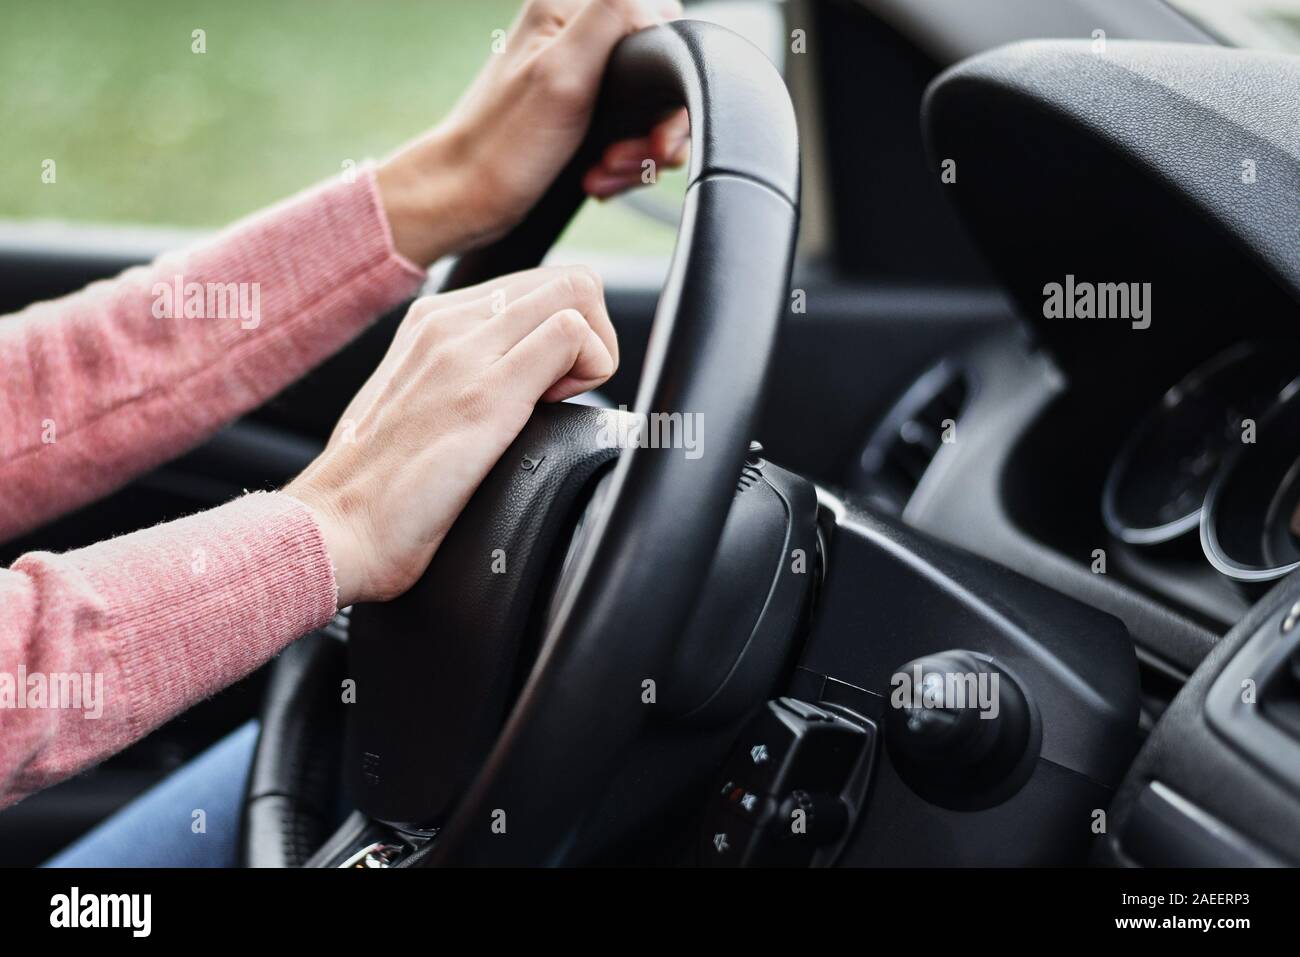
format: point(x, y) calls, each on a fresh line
point(136, 112)
point(1259, 24)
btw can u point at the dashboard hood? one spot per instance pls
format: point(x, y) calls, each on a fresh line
point(1171, 169)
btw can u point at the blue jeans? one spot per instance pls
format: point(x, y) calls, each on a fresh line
point(191, 819)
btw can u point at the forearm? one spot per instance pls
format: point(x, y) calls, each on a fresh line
point(104, 384)
point(145, 625)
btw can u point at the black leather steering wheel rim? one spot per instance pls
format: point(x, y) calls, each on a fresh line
point(714, 333)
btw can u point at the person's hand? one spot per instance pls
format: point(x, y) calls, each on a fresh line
point(457, 385)
point(488, 163)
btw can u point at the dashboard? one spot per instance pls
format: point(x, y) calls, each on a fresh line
point(1184, 507)
point(1170, 506)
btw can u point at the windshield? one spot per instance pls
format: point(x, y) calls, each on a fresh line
point(1259, 24)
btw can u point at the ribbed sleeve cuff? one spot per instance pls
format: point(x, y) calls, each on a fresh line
point(200, 602)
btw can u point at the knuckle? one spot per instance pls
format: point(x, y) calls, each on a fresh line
point(570, 325)
point(585, 284)
point(543, 11)
point(428, 333)
point(422, 307)
point(548, 74)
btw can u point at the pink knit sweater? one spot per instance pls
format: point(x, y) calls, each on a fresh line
point(99, 646)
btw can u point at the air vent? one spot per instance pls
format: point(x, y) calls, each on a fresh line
point(909, 436)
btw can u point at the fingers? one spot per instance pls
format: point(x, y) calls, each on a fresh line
point(625, 163)
point(593, 363)
point(575, 288)
point(503, 288)
point(504, 310)
point(542, 20)
point(563, 10)
point(671, 139)
point(544, 12)
point(463, 310)
point(499, 317)
point(548, 363)
point(587, 41)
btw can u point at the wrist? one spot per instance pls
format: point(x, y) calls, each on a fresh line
point(337, 539)
point(423, 191)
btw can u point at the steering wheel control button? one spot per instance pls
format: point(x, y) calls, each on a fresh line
point(741, 800)
point(789, 788)
point(728, 836)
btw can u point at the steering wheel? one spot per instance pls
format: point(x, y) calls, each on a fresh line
point(494, 699)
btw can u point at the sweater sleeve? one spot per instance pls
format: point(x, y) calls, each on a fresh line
point(109, 382)
point(101, 645)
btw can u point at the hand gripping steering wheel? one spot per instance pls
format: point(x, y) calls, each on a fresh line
point(496, 697)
